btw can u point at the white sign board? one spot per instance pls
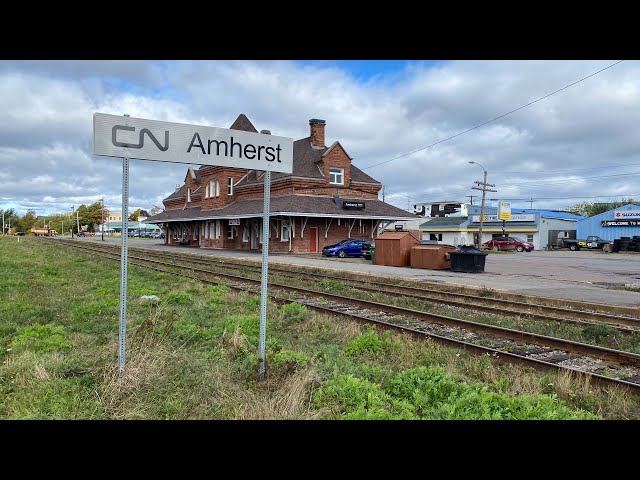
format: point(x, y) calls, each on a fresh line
point(120, 136)
point(523, 217)
point(626, 214)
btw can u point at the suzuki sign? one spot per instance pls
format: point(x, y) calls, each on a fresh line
point(121, 136)
point(626, 214)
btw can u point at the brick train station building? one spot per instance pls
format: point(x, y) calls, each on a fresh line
point(326, 199)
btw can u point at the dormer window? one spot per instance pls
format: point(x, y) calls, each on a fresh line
point(336, 176)
point(214, 188)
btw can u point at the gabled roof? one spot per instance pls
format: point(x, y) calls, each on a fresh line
point(305, 159)
point(180, 193)
point(298, 205)
point(243, 123)
point(335, 144)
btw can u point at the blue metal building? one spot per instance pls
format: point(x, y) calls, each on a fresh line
point(619, 222)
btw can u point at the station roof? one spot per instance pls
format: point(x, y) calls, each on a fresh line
point(288, 205)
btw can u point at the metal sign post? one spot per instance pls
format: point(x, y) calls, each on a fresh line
point(123, 263)
point(265, 267)
point(504, 214)
point(126, 137)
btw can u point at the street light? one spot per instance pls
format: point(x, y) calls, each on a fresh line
point(484, 187)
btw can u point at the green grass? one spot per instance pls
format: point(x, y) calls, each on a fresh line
point(194, 354)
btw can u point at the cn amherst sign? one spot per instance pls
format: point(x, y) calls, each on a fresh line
point(120, 136)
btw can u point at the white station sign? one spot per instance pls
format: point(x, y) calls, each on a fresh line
point(121, 136)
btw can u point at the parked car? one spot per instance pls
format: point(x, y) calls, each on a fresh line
point(18, 234)
point(366, 249)
point(81, 234)
point(344, 248)
point(508, 243)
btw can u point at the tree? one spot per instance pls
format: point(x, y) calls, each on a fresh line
point(135, 216)
point(588, 209)
point(10, 218)
point(25, 223)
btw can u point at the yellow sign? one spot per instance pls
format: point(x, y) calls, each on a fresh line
point(504, 211)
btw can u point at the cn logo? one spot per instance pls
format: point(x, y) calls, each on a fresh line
point(617, 214)
point(140, 144)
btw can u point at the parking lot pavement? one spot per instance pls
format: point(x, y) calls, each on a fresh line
point(591, 276)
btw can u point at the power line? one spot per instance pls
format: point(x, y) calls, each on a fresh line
point(493, 119)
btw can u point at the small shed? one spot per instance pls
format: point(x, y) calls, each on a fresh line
point(394, 248)
point(433, 257)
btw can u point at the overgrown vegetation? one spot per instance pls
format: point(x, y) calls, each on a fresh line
point(193, 355)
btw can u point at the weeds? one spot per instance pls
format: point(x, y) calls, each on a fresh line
point(193, 355)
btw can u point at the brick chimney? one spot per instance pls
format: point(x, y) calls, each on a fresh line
point(317, 132)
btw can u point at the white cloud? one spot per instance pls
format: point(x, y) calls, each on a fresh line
point(548, 149)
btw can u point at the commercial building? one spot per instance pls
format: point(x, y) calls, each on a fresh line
point(616, 223)
point(532, 225)
point(326, 199)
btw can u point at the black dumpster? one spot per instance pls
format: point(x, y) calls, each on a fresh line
point(467, 258)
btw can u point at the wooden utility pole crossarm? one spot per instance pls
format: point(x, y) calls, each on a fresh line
point(484, 187)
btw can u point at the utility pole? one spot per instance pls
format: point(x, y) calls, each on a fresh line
point(382, 193)
point(484, 186)
point(471, 197)
point(78, 220)
point(531, 202)
point(72, 212)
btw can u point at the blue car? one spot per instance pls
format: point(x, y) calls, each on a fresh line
point(344, 248)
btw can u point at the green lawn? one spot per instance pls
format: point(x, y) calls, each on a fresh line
point(193, 355)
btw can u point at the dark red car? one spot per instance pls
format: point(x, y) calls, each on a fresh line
point(508, 243)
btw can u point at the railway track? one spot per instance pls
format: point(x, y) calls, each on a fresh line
point(495, 305)
point(602, 365)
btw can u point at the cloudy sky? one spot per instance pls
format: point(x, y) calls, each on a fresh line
point(401, 121)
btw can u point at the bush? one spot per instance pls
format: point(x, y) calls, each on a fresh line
point(369, 342)
point(358, 399)
point(287, 360)
point(293, 313)
point(430, 393)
